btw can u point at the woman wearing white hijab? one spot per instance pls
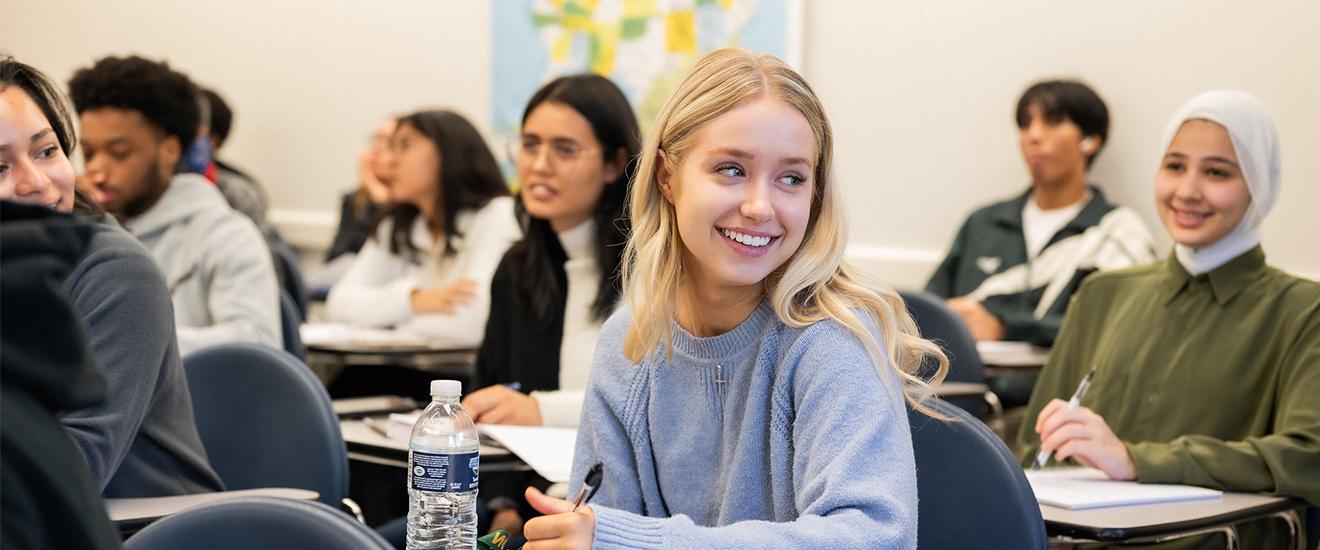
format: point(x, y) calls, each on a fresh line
point(1207, 365)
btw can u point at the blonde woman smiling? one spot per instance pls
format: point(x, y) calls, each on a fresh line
point(751, 393)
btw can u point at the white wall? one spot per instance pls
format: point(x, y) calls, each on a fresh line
point(921, 93)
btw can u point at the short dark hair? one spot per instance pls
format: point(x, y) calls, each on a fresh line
point(1071, 100)
point(45, 95)
point(612, 121)
point(222, 118)
point(469, 177)
point(165, 97)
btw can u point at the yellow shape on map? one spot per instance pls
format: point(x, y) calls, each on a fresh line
point(726, 4)
point(577, 23)
point(607, 36)
point(562, 47)
point(681, 32)
point(638, 8)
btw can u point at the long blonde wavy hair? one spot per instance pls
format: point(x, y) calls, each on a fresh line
point(815, 284)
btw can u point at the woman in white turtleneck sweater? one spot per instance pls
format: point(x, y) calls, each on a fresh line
point(432, 254)
point(554, 288)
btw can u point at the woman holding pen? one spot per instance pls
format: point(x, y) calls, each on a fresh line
point(1205, 364)
point(555, 287)
point(752, 392)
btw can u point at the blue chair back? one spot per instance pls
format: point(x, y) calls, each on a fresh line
point(266, 421)
point(257, 522)
point(972, 491)
point(290, 322)
point(939, 323)
point(293, 282)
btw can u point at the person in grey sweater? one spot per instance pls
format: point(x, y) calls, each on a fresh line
point(141, 441)
point(752, 393)
point(137, 116)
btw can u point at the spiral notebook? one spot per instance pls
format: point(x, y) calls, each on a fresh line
point(1086, 488)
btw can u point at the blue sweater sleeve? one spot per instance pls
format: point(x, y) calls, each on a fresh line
point(120, 295)
point(853, 469)
point(612, 387)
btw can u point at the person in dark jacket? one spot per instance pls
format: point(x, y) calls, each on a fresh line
point(1015, 263)
point(554, 288)
point(141, 441)
point(48, 499)
point(359, 207)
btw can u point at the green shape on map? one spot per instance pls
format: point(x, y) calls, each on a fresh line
point(632, 28)
point(574, 8)
point(542, 20)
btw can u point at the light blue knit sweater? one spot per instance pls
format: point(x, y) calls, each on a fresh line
point(762, 437)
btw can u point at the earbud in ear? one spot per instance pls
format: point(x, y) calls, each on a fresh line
point(1088, 144)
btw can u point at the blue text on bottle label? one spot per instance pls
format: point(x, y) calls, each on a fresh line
point(445, 473)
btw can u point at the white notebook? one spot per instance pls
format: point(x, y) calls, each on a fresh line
point(547, 450)
point(1085, 488)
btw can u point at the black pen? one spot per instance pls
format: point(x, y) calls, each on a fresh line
point(589, 485)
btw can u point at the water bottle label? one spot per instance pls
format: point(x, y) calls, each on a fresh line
point(445, 473)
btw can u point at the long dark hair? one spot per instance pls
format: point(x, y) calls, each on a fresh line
point(469, 178)
point(53, 106)
point(539, 256)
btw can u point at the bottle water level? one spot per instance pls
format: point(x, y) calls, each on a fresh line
point(444, 469)
point(442, 520)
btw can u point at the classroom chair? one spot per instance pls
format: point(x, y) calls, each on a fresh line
point(257, 523)
point(940, 324)
point(971, 490)
point(1313, 527)
point(290, 324)
point(286, 259)
point(266, 421)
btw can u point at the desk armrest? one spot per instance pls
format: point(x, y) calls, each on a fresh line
point(946, 390)
point(144, 510)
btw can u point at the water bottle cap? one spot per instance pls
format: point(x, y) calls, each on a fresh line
point(446, 388)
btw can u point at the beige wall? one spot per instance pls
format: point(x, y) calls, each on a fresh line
point(921, 93)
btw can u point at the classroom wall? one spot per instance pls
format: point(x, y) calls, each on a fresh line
point(921, 93)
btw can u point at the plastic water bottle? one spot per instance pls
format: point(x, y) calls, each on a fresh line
point(443, 471)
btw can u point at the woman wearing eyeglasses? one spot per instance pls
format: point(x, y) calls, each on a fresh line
point(431, 257)
point(555, 287)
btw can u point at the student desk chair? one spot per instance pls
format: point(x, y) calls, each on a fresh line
point(257, 522)
point(971, 490)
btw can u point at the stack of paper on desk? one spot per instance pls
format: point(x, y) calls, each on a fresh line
point(331, 334)
point(1083, 488)
point(549, 451)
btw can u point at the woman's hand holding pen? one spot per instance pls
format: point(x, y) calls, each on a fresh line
point(1083, 435)
point(561, 526)
point(500, 405)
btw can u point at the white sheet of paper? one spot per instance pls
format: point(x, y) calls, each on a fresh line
point(1085, 488)
point(549, 451)
point(328, 334)
point(1011, 354)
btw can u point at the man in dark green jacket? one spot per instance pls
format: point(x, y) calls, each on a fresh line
point(1014, 264)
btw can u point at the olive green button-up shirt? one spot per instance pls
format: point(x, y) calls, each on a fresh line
point(1212, 380)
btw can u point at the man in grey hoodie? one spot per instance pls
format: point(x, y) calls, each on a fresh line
point(138, 117)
